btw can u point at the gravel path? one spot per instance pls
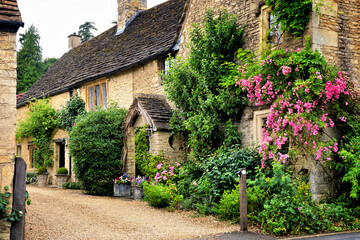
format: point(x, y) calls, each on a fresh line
point(70, 214)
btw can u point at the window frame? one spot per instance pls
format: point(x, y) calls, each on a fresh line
point(95, 100)
point(265, 15)
point(258, 123)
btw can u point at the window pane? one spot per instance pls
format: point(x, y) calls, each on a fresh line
point(104, 95)
point(97, 92)
point(91, 97)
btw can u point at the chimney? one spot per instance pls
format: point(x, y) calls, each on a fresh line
point(74, 40)
point(127, 9)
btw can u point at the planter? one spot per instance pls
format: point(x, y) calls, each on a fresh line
point(138, 193)
point(61, 179)
point(42, 177)
point(122, 190)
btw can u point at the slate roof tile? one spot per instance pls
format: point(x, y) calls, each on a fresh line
point(152, 34)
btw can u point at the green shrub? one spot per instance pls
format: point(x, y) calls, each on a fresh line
point(62, 170)
point(41, 169)
point(31, 177)
point(220, 174)
point(162, 195)
point(95, 144)
point(229, 205)
point(71, 185)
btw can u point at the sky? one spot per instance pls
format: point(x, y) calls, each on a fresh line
point(57, 19)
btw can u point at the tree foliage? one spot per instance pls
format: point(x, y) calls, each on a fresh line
point(85, 31)
point(39, 124)
point(30, 66)
point(29, 59)
point(95, 144)
point(193, 84)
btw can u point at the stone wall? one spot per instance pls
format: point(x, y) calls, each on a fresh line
point(335, 34)
point(8, 115)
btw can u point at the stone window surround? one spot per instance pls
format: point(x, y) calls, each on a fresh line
point(264, 12)
point(92, 86)
point(258, 122)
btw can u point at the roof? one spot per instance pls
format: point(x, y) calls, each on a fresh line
point(152, 34)
point(154, 109)
point(10, 17)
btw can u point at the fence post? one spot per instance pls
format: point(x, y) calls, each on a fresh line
point(243, 199)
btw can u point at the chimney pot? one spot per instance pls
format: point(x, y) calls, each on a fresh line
point(74, 40)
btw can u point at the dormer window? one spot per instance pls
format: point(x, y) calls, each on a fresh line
point(97, 95)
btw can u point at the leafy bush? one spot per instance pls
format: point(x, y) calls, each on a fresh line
point(31, 177)
point(62, 170)
point(229, 205)
point(220, 174)
point(71, 185)
point(161, 196)
point(95, 144)
point(15, 215)
point(41, 169)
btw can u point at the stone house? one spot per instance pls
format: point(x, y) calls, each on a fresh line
point(10, 21)
point(119, 65)
point(128, 68)
point(334, 32)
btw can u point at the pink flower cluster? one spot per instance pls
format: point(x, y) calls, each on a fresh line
point(293, 112)
point(167, 172)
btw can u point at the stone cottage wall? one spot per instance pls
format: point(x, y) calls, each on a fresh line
point(8, 115)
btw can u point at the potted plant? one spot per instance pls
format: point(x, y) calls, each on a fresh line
point(42, 176)
point(122, 186)
point(138, 189)
point(62, 176)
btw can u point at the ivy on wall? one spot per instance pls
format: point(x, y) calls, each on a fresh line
point(39, 124)
point(292, 16)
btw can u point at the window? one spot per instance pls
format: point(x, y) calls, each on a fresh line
point(269, 31)
point(259, 122)
point(32, 156)
point(18, 150)
point(97, 95)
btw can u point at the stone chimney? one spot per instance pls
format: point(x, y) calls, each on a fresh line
point(74, 40)
point(127, 9)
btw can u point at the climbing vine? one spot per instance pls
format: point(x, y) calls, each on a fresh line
point(204, 106)
point(39, 124)
point(67, 115)
point(291, 16)
point(307, 97)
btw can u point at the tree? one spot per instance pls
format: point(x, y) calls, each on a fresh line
point(29, 59)
point(48, 62)
point(85, 31)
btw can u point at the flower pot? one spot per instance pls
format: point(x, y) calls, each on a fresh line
point(122, 190)
point(138, 193)
point(42, 177)
point(61, 179)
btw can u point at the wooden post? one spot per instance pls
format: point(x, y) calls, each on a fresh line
point(243, 200)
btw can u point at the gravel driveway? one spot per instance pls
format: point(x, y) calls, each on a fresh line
point(70, 214)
